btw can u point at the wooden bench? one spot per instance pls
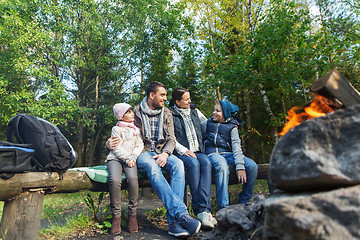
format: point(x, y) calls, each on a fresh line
point(24, 193)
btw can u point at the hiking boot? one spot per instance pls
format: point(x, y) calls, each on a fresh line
point(205, 219)
point(133, 224)
point(191, 225)
point(212, 219)
point(115, 226)
point(177, 231)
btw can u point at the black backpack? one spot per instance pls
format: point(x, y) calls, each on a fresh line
point(14, 158)
point(53, 152)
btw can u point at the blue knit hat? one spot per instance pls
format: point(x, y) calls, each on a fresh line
point(228, 109)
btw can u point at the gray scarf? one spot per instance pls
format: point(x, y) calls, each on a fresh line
point(189, 128)
point(145, 112)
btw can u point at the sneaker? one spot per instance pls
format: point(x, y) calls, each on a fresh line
point(178, 231)
point(205, 219)
point(212, 219)
point(190, 224)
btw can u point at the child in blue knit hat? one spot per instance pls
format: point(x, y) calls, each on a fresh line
point(223, 146)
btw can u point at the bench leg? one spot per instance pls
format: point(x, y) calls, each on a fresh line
point(21, 216)
point(147, 192)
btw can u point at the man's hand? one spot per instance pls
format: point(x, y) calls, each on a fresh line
point(189, 153)
point(161, 159)
point(112, 143)
point(241, 175)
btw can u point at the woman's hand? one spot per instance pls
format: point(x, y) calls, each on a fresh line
point(241, 175)
point(189, 153)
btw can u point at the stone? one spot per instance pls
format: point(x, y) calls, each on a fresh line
point(238, 221)
point(327, 215)
point(320, 154)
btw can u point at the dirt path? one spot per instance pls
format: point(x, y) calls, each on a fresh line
point(154, 229)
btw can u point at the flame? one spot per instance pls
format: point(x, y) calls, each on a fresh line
point(320, 106)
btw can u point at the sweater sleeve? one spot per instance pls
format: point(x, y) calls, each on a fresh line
point(170, 138)
point(139, 147)
point(120, 151)
point(181, 149)
point(237, 150)
point(201, 115)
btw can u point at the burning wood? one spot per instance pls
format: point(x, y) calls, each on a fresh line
point(335, 85)
point(320, 106)
point(332, 92)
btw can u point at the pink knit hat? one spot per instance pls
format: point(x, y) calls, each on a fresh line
point(120, 110)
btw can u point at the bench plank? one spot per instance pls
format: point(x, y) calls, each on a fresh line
point(75, 181)
point(24, 192)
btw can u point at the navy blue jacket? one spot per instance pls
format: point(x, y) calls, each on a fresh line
point(218, 136)
point(179, 127)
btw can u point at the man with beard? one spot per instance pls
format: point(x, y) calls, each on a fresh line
point(157, 130)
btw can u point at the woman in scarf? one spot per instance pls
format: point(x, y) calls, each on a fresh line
point(189, 144)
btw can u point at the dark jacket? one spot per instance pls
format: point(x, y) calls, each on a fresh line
point(165, 145)
point(179, 127)
point(218, 136)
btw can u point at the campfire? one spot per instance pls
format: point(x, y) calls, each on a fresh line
point(319, 107)
point(331, 92)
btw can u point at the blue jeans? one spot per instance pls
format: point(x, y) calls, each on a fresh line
point(172, 194)
point(221, 164)
point(198, 176)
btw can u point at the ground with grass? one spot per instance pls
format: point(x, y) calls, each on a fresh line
point(86, 215)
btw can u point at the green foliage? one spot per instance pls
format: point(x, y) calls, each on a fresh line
point(157, 213)
point(75, 224)
point(69, 62)
point(68, 215)
point(99, 214)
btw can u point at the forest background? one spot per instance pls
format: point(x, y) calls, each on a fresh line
point(70, 61)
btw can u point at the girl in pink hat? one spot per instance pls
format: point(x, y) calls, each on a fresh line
point(123, 159)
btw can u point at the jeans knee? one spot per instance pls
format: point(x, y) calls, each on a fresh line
point(252, 166)
point(206, 164)
point(176, 166)
point(154, 172)
point(179, 169)
point(221, 169)
point(194, 163)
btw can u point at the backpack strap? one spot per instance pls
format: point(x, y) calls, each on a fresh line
point(12, 129)
point(22, 145)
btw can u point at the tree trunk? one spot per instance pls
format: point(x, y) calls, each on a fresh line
point(21, 216)
point(96, 92)
point(79, 146)
point(269, 112)
point(248, 144)
point(93, 142)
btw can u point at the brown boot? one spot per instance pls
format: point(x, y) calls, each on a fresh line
point(115, 226)
point(133, 224)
